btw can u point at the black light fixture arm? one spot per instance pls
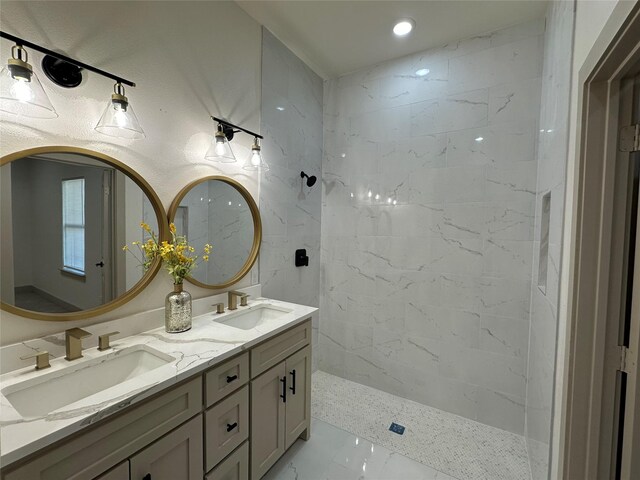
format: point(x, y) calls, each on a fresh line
point(239, 129)
point(24, 43)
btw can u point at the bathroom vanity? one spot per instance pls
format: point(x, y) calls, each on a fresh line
point(223, 400)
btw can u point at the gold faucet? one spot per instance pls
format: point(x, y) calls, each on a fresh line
point(73, 342)
point(103, 341)
point(219, 307)
point(42, 359)
point(233, 299)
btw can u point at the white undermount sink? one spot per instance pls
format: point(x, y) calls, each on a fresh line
point(48, 392)
point(253, 316)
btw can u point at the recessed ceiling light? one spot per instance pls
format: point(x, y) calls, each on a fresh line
point(403, 27)
point(422, 72)
point(479, 139)
point(280, 108)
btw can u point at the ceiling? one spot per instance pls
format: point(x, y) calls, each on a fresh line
point(338, 37)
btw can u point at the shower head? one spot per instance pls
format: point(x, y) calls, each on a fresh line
point(311, 180)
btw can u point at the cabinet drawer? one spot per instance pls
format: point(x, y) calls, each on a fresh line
point(226, 426)
point(92, 453)
point(226, 378)
point(177, 455)
point(273, 351)
point(234, 467)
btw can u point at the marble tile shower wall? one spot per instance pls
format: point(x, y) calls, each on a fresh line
point(427, 224)
point(292, 126)
point(552, 154)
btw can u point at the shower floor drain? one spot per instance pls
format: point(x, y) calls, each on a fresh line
point(396, 428)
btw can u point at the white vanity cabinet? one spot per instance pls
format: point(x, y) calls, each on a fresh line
point(176, 455)
point(231, 422)
point(297, 418)
point(119, 472)
point(280, 397)
point(89, 454)
point(226, 426)
point(234, 467)
point(267, 420)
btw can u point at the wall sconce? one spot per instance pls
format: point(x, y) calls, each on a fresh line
point(220, 149)
point(21, 91)
point(255, 160)
point(119, 119)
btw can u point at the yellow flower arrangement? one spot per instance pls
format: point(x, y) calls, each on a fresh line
point(177, 255)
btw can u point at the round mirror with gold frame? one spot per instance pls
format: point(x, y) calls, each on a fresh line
point(219, 211)
point(67, 213)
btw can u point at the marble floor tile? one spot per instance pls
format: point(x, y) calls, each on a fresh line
point(310, 460)
point(333, 454)
point(439, 441)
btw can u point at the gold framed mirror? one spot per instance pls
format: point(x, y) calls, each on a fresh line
point(66, 214)
point(220, 211)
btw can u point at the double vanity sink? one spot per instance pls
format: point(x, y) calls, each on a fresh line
point(40, 407)
point(46, 392)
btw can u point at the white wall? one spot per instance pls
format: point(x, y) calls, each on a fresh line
point(292, 125)
point(7, 284)
point(230, 232)
point(189, 60)
point(21, 223)
point(131, 213)
point(551, 154)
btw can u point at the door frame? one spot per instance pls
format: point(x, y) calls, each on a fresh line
point(109, 239)
point(593, 289)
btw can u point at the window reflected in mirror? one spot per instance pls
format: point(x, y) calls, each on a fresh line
point(73, 226)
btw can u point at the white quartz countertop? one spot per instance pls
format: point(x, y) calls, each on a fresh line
point(207, 343)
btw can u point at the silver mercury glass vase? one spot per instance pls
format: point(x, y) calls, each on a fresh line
point(177, 310)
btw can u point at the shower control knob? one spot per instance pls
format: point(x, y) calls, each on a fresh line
point(302, 260)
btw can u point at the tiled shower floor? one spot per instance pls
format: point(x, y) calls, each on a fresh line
point(436, 445)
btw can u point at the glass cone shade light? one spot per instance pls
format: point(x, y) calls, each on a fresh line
point(220, 149)
point(255, 160)
point(119, 119)
point(21, 92)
